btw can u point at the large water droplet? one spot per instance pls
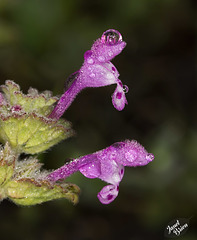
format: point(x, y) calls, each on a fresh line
point(70, 80)
point(111, 37)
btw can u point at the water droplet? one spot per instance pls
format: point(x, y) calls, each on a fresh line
point(111, 37)
point(101, 59)
point(92, 75)
point(70, 80)
point(88, 58)
point(110, 76)
point(150, 157)
point(110, 53)
point(125, 88)
point(131, 155)
point(134, 143)
point(117, 145)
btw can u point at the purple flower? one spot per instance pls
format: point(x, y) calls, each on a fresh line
point(96, 71)
point(108, 165)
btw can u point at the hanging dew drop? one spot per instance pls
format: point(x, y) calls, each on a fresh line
point(125, 88)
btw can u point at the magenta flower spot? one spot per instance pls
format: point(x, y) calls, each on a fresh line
point(113, 69)
point(118, 95)
point(108, 165)
point(96, 71)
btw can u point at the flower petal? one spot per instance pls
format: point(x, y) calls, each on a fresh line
point(131, 154)
point(108, 194)
point(91, 170)
point(96, 75)
point(118, 98)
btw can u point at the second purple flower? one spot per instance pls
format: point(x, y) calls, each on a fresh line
point(108, 165)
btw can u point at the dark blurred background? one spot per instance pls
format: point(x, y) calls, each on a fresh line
point(41, 43)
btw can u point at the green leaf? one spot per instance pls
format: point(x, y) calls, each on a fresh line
point(32, 102)
point(30, 133)
point(7, 163)
point(28, 192)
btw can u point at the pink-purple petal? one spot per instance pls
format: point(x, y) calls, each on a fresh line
point(108, 194)
point(118, 98)
point(91, 170)
point(132, 154)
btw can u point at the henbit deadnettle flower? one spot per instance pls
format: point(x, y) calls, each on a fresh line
point(97, 71)
point(108, 165)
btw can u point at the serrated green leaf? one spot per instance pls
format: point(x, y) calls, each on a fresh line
point(30, 192)
point(32, 134)
point(32, 102)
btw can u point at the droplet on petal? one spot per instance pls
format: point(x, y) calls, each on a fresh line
point(92, 75)
point(91, 170)
point(101, 59)
point(88, 57)
point(70, 80)
point(125, 88)
point(131, 155)
point(150, 157)
point(111, 37)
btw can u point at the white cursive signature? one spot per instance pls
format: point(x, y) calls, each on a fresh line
point(176, 228)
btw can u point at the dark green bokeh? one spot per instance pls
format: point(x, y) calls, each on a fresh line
point(41, 43)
